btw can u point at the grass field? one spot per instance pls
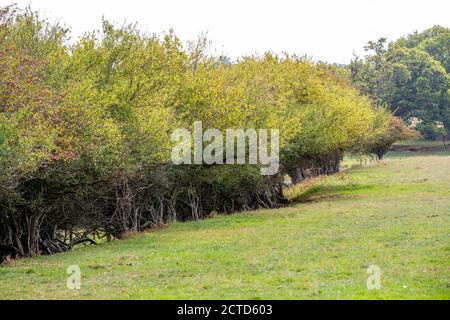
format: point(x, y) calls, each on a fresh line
point(394, 214)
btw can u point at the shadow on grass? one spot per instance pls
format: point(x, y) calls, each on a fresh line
point(330, 192)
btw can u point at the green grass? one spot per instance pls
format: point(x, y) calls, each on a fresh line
point(394, 214)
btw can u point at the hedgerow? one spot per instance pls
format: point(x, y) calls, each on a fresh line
point(85, 131)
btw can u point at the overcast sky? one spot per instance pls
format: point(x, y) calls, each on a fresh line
point(323, 29)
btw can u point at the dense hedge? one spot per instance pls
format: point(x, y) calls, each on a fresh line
point(85, 130)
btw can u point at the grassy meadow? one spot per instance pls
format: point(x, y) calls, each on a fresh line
point(394, 214)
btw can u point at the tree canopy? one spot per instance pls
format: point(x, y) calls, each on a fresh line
point(411, 76)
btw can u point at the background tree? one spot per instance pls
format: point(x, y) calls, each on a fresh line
point(411, 77)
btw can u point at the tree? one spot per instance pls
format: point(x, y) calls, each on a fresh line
point(435, 41)
point(383, 141)
point(410, 76)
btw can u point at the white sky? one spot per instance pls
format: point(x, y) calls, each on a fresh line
point(323, 29)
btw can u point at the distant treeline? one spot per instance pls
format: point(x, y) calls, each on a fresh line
point(85, 130)
point(411, 76)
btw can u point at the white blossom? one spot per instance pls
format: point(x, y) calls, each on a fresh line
point(439, 124)
point(414, 122)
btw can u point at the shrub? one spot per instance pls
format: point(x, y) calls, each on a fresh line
point(383, 141)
